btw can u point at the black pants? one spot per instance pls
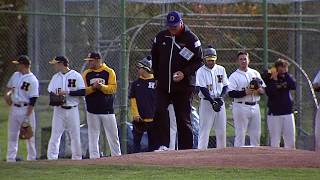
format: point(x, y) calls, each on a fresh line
point(182, 106)
point(137, 136)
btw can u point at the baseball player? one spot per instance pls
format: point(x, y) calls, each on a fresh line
point(21, 94)
point(213, 83)
point(142, 100)
point(101, 85)
point(245, 106)
point(66, 116)
point(316, 86)
point(280, 114)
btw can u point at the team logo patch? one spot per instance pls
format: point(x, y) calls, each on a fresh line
point(219, 77)
point(172, 18)
point(71, 82)
point(25, 86)
point(152, 85)
point(99, 80)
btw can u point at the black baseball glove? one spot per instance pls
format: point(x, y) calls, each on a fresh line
point(56, 100)
point(139, 126)
point(216, 106)
point(255, 83)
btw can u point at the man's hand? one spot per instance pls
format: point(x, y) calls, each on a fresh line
point(249, 91)
point(178, 76)
point(96, 85)
point(137, 118)
point(274, 74)
point(7, 98)
point(259, 91)
point(63, 93)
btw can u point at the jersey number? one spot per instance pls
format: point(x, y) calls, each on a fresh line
point(71, 82)
point(25, 86)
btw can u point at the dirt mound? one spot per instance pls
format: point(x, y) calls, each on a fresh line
point(250, 157)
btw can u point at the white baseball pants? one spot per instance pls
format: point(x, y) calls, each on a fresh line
point(247, 118)
point(211, 119)
point(282, 125)
point(111, 130)
point(16, 117)
point(65, 119)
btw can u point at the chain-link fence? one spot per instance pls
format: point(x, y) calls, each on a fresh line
point(44, 29)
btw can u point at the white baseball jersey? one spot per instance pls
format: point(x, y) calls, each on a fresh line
point(240, 80)
point(213, 79)
point(24, 87)
point(70, 81)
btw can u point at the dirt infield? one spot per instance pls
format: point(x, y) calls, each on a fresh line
point(246, 157)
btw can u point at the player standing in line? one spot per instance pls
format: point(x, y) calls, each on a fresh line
point(101, 85)
point(280, 114)
point(21, 94)
point(213, 83)
point(142, 100)
point(176, 55)
point(245, 107)
point(66, 116)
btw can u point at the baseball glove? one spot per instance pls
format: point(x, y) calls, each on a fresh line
point(25, 131)
point(255, 83)
point(56, 100)
point(139, 126)
point(216, 106)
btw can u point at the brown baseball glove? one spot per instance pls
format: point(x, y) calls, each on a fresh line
point(255, 83)
point(25, 131)
point(56, 100)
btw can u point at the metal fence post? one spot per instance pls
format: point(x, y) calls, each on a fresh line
point(124, 83)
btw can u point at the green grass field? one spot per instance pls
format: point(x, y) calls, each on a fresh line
point(35, 170)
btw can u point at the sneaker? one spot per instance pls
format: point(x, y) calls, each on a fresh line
point(11, 160)
point(162, 148)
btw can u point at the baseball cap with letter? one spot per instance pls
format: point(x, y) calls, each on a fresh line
point(173, 19)
point(59, 59)
point(93, 56)
point(23, 59)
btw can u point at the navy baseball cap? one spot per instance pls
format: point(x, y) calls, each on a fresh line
point(23, 59)
point(173, 19)
point(59, 59)
point(93, 56)
point(145, 63)
point(210, 54)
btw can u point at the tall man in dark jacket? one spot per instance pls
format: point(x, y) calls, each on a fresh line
point(176, 55)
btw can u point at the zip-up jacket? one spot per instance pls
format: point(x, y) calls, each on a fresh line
point(175, 53)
